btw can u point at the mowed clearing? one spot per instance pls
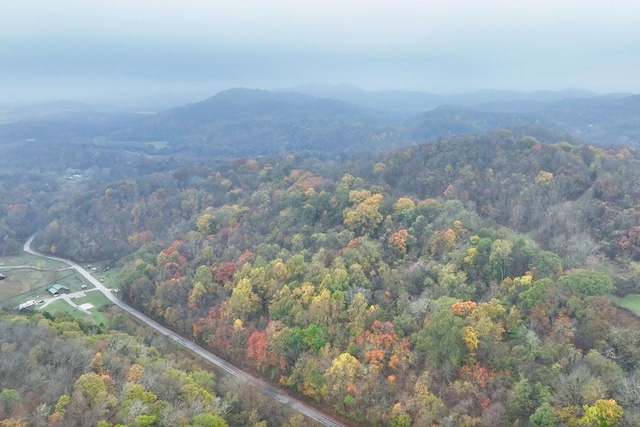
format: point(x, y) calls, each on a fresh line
point(630, 302)
point(27, 276)
point(94, 299)
point(22, 280)
point(92, 302)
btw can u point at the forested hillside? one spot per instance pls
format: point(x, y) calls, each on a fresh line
point(460, 282)
point(61, 372)
point(233, 123)
point(597, 120)
point(245, 122)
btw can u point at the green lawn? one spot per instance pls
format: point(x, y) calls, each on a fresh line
point(74, 281)
point(108, 278)
point(630, 302)
point(27, 259)
point(61, 305)
point(27, 280)
point(95, 298)
point(22, 281)
point(22, 284)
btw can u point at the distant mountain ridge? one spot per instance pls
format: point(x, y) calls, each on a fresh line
point(251, 122)
point(407, 102)
point(600, 120)
point(413, 102)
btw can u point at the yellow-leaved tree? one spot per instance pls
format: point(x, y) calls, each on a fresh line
point(365, 215)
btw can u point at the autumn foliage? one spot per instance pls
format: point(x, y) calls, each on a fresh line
point(462, 277)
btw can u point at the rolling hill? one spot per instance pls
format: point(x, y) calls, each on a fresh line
point(242, 122)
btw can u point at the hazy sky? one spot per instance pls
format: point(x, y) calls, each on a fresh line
point(82, 49)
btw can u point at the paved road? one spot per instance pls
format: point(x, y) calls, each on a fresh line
point(297, 405)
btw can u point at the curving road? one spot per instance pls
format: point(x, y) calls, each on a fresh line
point(295, 404)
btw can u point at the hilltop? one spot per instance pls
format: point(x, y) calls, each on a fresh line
point(484, 261)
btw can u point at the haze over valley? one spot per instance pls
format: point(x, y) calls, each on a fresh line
point(319, 213)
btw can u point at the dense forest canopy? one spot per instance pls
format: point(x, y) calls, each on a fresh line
point(464, 281)
point(57, 371)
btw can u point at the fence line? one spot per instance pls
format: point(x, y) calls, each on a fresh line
point(5, 302)
point(40, 289)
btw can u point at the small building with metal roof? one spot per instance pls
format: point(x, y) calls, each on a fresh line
point(58, 289)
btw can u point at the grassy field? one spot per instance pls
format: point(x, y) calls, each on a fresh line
point(26, 259)
point(22, 284)
point(75, 281)
point(108, 278)
point(27, 280)
point(630, 302)
point(94, 298)
point(22, 281)
point(61, 305)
